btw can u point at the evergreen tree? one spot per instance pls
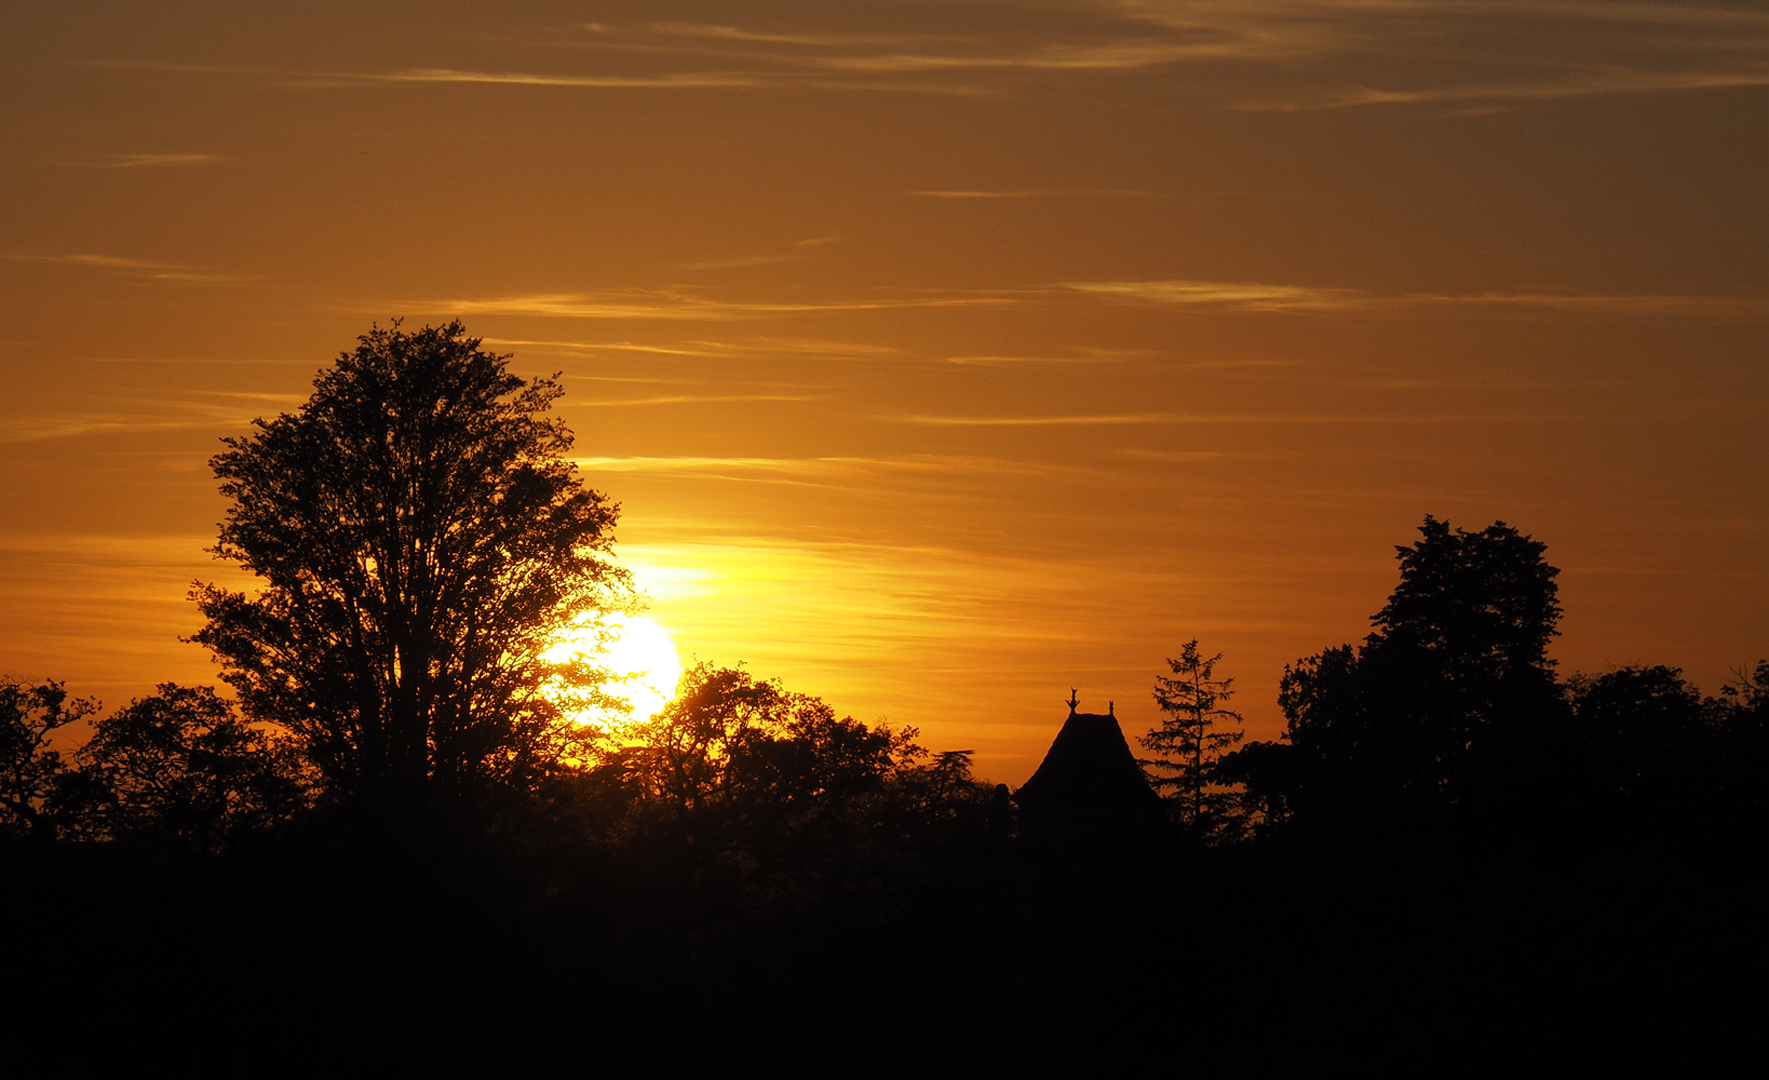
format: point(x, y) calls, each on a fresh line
point(1191, 742)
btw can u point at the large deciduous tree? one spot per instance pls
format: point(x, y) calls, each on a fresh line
point(422, 539)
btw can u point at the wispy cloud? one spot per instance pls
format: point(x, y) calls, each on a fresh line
point(1321, 54)
point(701, 349)
point(684, 80)
point(1172, 456)
point(740, 261)
point(831, 468)
point(1165, 418)
point(1087, 356)
point(691, 399)
point(1237, 295)
point(698, 349)
point(1615, 304)
point(148, 411)
point(145, 269)
point(1575, 86)
point(681, 305)
point(718, 32)
point(1073, 420)
point(1253, 297)
point(1038, 193)
point(24, 429)
point(142, 161)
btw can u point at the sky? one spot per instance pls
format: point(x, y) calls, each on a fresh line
point(942, 356)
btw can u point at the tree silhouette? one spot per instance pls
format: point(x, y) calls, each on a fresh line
point(1444, 707)
point(181, 769)
point(730, 738)
point(422, 538)
point(1741, 719)
point(31, 770)
point(1190, 743)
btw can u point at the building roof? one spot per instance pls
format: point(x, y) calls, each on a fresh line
point(1089, 765)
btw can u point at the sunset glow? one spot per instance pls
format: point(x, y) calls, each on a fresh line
point(941, 357)
point(778, 531)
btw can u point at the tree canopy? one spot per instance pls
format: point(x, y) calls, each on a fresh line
point(181, 769)
point(31, 769)
point(421, 537)
point(1453, 687)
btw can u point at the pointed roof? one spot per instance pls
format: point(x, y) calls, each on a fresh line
point(1089, 764)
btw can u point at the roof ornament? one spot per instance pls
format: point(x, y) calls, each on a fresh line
point(1074, 700)
point(1109, 711)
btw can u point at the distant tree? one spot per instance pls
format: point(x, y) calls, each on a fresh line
point(1190, 744)
point(743, 797)
point(180, 768)
point(422, 539)
point(1642, 736)
point(1444, 708)
point(31, 769)
point(728, 737)
point(1740, 716)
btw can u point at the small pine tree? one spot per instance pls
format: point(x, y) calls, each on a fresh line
point(1190, 743)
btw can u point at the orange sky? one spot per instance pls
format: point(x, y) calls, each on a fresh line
point(943, 356)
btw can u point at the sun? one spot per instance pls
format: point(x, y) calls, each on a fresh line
point(639, 654)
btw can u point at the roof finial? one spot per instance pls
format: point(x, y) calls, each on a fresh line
point(1109, 711)
point(1074, 700)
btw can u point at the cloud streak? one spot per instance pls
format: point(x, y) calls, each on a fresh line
point(143, 161)
point(1308, 54)
point(1039, 193)
point(1304, 299)
point(145, 269)
point(1168, 418)
point(693, 399)
point(681, 305)
point(836, 473)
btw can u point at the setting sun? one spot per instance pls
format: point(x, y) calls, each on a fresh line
point(638, 652)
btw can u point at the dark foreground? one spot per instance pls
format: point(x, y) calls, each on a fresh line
point(330, 953)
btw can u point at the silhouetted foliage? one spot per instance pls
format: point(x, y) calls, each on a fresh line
point(729, 738)
point(743, 800)
point(1643, 734)
point(1455, 859)
point(422, 538)
point(1741, 716)
point(1190, 744)
point(1429, 717)
point(180, 769)
point(31, 769)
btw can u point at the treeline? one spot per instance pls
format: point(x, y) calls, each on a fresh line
point(1447, 837)
point(1450, 723)
point(391, 846)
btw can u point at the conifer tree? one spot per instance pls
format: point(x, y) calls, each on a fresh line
point(1190, 743)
